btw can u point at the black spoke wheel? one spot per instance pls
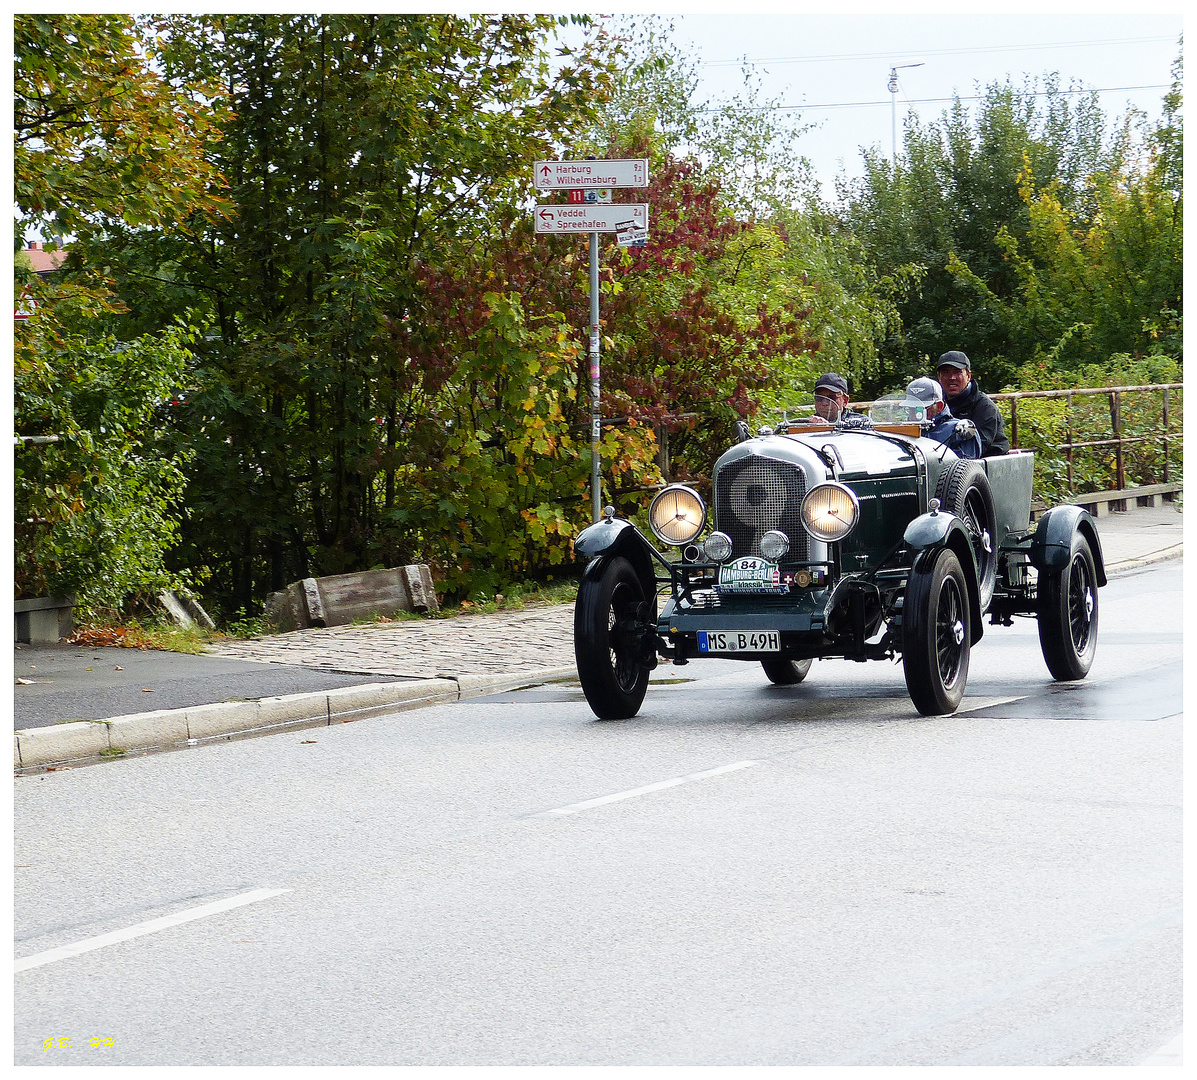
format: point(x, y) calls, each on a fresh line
point(1068, 613)
point(963, 489)
point(936, 634)
point(611, 622)
point(786, 672)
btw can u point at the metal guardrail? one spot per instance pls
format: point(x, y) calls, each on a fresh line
point(1119, 440)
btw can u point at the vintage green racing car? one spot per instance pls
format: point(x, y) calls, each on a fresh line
point(861, 540)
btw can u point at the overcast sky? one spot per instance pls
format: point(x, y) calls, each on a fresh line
point(837, 67)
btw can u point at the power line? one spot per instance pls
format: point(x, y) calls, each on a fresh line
point(937, 100)
point(936, 52)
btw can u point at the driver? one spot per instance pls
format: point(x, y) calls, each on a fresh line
point(958, 435)
point(831, 402)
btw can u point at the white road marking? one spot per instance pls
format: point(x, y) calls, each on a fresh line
point(1168, 1054)
point(61, 953)
point(573, 808)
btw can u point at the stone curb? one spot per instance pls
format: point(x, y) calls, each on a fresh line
point(1176, 551)
point(170, 729)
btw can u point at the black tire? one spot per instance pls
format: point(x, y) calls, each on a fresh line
point(786, 672)
point(607, 647)
point(963, 489)
point(936, 634)
point(1068, 613)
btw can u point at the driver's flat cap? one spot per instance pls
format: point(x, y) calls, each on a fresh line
point(832, 381)
point(954, 359)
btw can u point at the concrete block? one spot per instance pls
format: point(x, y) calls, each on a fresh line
point(420, 590)
point(356, 702)
point(281, 710)
point(184, 610)
point(221, 719)
point(62, 742)
point(166, 727)
point(43, 620)
point(285, 609)
point(339, 599)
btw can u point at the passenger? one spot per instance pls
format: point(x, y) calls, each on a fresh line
point(966, 401)
point(956, 434)
point(831, 402)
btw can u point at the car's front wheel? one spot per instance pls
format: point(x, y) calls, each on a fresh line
point(1068, 614)
point(786, 672)
point(608, 640)
point(936, 634)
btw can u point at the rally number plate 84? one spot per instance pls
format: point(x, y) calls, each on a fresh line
point(734, 641)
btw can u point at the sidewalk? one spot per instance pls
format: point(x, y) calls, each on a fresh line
point(402, 664)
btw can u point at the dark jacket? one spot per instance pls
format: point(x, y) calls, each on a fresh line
point(943, 429)
point(973, 405)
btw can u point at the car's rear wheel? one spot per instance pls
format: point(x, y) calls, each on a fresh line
point(786, 672)
point(936, 634)
point(963, 489)
point(608, 640)
point(1068, 613)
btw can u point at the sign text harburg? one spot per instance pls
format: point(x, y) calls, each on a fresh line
point(569, 175)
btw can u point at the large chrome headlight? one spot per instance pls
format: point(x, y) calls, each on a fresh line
point(677, 515)
point(830, 512)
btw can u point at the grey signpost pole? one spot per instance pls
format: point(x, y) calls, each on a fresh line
point(596, 480)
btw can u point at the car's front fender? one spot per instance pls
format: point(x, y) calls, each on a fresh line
point(927, 533)
point(611, 537)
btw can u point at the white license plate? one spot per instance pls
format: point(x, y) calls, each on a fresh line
point(734, 641)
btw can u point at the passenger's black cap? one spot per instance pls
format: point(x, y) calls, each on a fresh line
point(954, 359)
point(832, 381)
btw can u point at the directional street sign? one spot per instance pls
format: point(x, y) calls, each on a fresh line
point(570, 175)
point(590, 217)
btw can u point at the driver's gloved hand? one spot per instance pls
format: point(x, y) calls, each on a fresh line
point(966, 429)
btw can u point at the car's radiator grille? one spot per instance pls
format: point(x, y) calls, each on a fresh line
point(756, 494)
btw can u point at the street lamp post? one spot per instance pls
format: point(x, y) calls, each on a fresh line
point(893, 102)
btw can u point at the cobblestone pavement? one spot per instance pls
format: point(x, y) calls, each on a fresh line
point(530, 640)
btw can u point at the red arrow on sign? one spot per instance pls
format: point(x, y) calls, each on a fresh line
point(546, 172)
point(547, 217)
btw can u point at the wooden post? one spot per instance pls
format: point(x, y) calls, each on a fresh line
point(1165, 435)
point(1069, 419)
point(1014, 423)
point(1116, 417)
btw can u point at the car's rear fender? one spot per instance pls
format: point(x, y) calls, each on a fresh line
point(927, 534)
point(1051, 543)
point(606, 539)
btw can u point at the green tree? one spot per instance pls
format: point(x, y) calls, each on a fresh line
point(101, 139)
point(363, 148)
point(954, 186)
point(1099, 276)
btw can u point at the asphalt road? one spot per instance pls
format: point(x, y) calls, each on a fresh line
point(741, 875)
point(73, 682)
